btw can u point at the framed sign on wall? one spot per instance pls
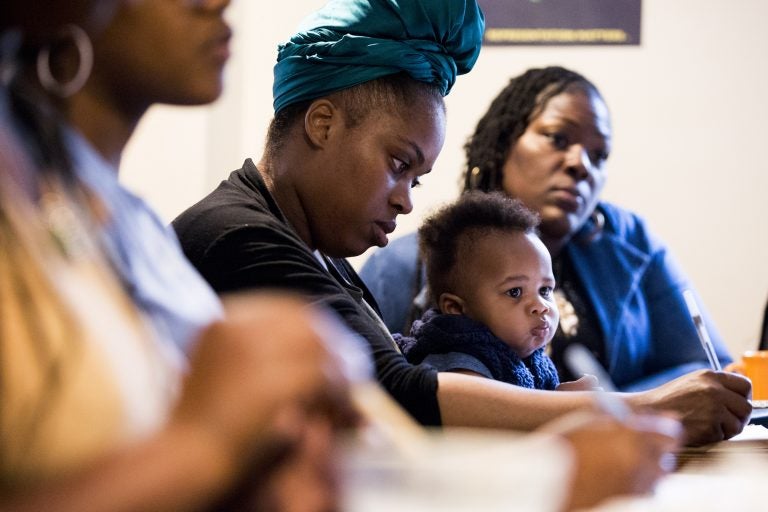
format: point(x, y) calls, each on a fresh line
point(561, 22)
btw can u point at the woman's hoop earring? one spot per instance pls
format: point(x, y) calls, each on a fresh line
point(84, 66)
point(474, 178)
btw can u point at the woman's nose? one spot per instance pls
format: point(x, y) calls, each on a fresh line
point(400, 198)
point(578, 162)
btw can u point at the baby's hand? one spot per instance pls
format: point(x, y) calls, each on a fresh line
point(586, 383)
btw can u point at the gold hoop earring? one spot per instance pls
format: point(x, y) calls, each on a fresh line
point(474, 178)
point(84, 66)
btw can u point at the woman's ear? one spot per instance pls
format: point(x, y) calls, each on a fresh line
point(450, 304)
point(319, 121)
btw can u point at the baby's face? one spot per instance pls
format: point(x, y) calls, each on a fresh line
point(507, 285)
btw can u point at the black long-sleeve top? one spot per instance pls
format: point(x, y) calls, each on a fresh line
point(238, 239)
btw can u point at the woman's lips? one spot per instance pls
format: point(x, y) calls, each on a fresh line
point(568, 199)
point(220, 45)
point(387, 226)
point(383, 228)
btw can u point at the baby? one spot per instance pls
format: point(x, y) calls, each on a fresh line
point(491, 284)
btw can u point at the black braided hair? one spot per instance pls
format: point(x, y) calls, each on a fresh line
point(507, 119)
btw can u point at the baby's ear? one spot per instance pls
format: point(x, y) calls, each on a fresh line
point(450, 304)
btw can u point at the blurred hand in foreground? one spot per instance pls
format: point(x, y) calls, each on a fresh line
point(269, 387)
point(614, 458)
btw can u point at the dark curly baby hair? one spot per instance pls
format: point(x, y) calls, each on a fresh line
point(474, 214)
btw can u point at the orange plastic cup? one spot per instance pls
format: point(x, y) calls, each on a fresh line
point(756, 369)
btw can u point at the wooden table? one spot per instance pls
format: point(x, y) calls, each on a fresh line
point(725, 476)
point(752, 443)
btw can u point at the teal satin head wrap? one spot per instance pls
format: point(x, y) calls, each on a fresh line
point(349, 42)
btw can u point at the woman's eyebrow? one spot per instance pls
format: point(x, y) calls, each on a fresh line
point(416, 149)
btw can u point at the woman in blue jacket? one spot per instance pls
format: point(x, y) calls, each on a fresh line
point(545, 140)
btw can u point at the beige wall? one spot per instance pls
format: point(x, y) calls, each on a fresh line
point(689, 112)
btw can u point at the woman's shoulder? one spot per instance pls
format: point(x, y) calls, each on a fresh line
point(240, 201)
point(624, 224)
point(620, 218)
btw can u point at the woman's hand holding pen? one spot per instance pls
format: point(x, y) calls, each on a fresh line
point(712, 406)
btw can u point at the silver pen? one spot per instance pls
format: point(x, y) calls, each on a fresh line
point(701, 329)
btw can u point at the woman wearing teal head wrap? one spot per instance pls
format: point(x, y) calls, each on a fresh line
point(359, 118)
point(349, 42)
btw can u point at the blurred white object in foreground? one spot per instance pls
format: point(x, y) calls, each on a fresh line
point(458, 470)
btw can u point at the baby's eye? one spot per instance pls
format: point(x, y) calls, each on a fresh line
point(415, 183)
point(546, 291)
point(515, 293)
